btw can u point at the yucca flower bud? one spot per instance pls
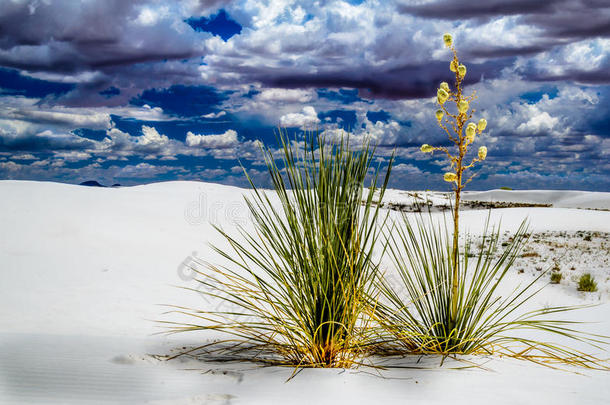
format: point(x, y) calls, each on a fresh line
point(462, 70)
point(439, 115)
point(449, 177)
point(471, 131)
point(448, 40)
point(453, 66)
point(427, 148)
point(482, 152)
point(482, 124)
point(442, 96)
point(445, 86)
point(463, 106)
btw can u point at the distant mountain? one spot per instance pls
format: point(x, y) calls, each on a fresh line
point(116, 185)
point(91, 183)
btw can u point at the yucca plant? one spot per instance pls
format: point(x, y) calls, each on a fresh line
point(453, 306)
point(487, 320)
point(299, 283)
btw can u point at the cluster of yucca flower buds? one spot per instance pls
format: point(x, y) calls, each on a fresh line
point(462, 140)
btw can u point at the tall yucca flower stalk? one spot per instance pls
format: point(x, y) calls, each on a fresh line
point(463, 136)
point(300, 284)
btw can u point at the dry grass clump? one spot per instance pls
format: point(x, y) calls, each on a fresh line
point(556, 277)
point(587, 283)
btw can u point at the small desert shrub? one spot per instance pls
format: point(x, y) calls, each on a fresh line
point(300, 282)
point(556, 277)
point(587, 283)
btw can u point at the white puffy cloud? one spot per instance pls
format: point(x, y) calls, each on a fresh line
point(225, 140)
point(214, 115)
point(142, 170)
point(406, 168)
point(285, 95)
point(23, 119)
point(72, 156)
point(24, 156)
point(307, 119)
point(152, 137)
point(387, 132)
point(539, 123)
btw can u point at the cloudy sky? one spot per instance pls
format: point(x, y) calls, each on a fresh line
point(137, 91)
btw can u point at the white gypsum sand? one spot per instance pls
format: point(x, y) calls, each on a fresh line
point(84, 268)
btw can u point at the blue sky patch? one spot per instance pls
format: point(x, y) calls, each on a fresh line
point(110, 92)
point(93, 134)
point(345, 118)
point(344, 96)
point(380, 115)
point(533, 97)
point(12, 83)
point(219, 24)
point(184, 101)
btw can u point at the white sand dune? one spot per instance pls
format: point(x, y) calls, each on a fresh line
point(558, 198)
point(84, 269)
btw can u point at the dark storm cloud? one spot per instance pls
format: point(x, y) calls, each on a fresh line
point(45, 142)
point(501, 52)
point(597, 76)
point(110, 92)
point(574, 19)
point(558, 18)
point(207, 6)
point(37, 23)
point(404, 82)
point(128, 45)
point(458, 10)
point(563, 72)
